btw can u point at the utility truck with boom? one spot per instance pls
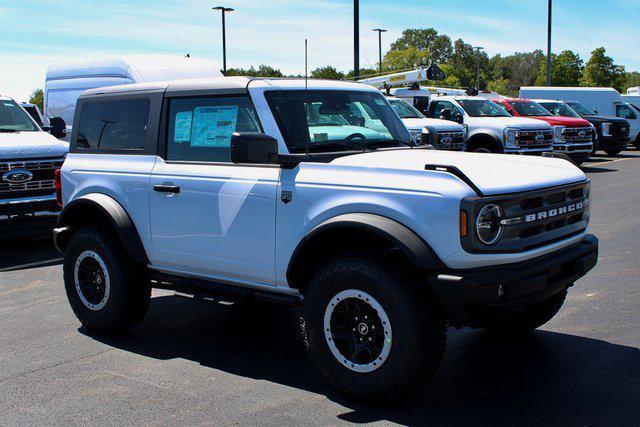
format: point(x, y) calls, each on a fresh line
point(441, 134)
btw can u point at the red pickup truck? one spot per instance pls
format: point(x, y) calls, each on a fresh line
point(571, 136)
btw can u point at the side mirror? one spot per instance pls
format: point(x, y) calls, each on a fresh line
point(458, 118)
point(596, 111)
point(445, 115)
point(253, 148)
point(58, 127)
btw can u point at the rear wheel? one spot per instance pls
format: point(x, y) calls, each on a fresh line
point(524, 322)
point(369, 328)
point(105, 289)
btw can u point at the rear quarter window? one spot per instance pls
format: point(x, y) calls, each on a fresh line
point(113, 125)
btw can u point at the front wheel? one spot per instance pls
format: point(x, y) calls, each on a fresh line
point(369, 328)
point(106, 290)
point(612, 152)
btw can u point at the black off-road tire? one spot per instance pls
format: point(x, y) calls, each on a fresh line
point(129, 293)
point(418, 330)
point(522, 323)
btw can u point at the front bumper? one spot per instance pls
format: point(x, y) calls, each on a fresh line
point(613, 143)
point(574, 148)
point(479, 296)
point(534, 151)
point(27, 216)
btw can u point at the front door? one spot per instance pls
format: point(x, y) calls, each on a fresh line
point(210, 216)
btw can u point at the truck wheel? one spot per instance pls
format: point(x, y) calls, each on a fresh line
point(636, 143)
point(484, 147)
point(524, 322)
point(105, 289)
point(612, 152)
point(370, 329)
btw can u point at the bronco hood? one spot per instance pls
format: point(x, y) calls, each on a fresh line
point(30, 145)
point(492, 173)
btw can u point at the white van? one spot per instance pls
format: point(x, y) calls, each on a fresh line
point(605, 101)
point(65, 82)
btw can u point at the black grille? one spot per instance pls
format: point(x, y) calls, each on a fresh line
point(532, 219)
point(577, 135)
point(534, 138)
point(619, 129)
point(40, 184)
point(450, 141)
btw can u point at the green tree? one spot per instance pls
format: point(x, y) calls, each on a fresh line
point(601, 71)
point(566, 70)
point(519, 69)
point(327, 72)
point(435, 47)
point(403, 59)
point(262, 71)
point(364, 72)
point(37, 98)
point(632, 79)
point(464, 63)
point(501, 86)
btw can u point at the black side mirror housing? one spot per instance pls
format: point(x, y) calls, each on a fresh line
point(58, 127)
point(445, 115)
point(254, 148)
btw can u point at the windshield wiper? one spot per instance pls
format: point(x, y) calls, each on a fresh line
point(9, 130)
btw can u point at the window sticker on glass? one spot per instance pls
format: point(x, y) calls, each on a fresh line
point(213, 126)
point(182, 131)
point(379, 102)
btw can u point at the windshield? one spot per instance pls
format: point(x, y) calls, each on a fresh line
point(581, 109)
point(529, 109)
point(560, 109)
point(482, 108)
point(14, 119)
point(328, 120)
point(404, 110)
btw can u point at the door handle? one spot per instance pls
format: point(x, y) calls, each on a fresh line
point(166, 188)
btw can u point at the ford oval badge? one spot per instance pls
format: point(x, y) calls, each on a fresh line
point(17, 176)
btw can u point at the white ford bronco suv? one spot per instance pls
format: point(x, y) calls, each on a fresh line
point(29, 158)
point(254, 188)
point(491, 129)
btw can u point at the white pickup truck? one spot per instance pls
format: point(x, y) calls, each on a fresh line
point(491, 129)
point(261, 188)
point(28, 160)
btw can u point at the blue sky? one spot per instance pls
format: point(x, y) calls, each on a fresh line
point(39, 32)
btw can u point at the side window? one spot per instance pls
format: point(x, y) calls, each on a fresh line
point(200, 129)
point(114, 125)
point(442, 105)
point(625, 112)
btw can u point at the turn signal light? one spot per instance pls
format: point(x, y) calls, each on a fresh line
point(463, 224)
point(57, 184)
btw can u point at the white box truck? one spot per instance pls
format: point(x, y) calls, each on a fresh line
point(65, 82)
point(604, 101)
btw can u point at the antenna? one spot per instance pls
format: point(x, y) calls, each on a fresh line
point(306, 96)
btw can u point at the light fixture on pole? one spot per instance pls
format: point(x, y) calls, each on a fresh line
point(549, 43)
point(224, 36)
point(380, 31)
point(478, 49)
point(356, 39)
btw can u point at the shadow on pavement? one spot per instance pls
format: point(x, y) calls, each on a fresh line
point(28, 252)
point(589, 169)
point(547, 377)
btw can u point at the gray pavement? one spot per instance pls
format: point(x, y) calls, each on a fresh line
point(195, 362)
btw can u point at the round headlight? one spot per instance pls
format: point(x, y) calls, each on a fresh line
point(488, 227)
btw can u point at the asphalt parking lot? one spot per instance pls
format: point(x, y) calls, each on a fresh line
point(196, 362)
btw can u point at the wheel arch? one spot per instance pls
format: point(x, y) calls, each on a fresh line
point(484, 137)
point(357, 230)
point(106, 210)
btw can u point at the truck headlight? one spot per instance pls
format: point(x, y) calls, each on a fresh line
point(466, 130)
point(489, 226)
point(557, 134)
point(606, 129)
point(509, 137)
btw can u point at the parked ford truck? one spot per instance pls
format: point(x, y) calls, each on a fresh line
point(571, 136)
point(491, 129)
point(240, 188)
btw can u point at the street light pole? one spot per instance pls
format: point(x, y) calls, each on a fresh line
point(380, 31)
point(224, 36)
point(549, 43)
point(478, 49)
point(356, 39)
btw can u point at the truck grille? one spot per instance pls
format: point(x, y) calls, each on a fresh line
point(533, 219)
point(450, 141)
point(619, 129)
point(577, 135)
point(534, 138)
point(40, 183)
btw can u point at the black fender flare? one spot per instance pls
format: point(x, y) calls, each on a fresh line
point(110, 209)
point(413, 246)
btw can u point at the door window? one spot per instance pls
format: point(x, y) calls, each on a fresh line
point(626, 112)
point(200, 129)
point(114, 125)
